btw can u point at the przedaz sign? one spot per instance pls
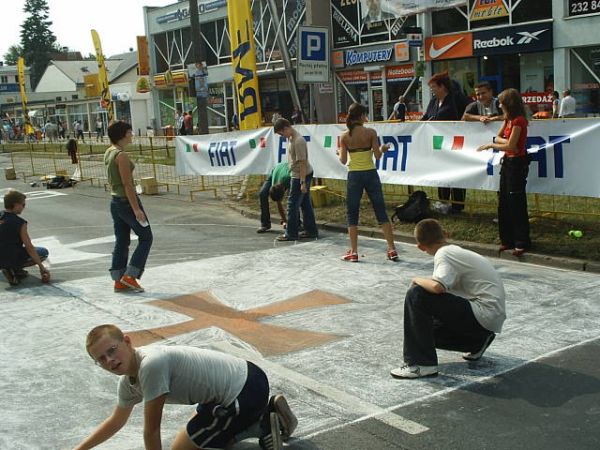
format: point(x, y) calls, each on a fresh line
point(521, 39)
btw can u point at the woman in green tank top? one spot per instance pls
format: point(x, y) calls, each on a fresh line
point(358, 145)
point(127, 212)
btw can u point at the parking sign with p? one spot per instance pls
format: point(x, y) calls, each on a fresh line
point(313, 63)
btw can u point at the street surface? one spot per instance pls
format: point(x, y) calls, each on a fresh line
point(326, 332)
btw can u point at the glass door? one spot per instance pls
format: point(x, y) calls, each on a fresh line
point(375, 103)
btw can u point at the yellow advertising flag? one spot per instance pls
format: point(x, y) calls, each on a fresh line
point(243, 61)
point(28, 129)
point(106, 100)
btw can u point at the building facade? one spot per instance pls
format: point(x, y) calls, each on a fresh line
point(169, 37)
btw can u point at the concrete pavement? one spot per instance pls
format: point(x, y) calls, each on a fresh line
point(537, 386)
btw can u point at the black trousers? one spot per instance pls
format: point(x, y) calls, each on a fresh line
point(513, 219)
point(443, 321)
point(457, 194)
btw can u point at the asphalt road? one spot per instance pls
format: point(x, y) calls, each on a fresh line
point(538, 391)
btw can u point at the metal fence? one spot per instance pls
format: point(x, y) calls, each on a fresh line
point(155, 157)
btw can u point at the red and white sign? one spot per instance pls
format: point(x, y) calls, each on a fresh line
point(405, 71)
point(537, 97)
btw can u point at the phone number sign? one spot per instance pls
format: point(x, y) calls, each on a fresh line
point(582, 7)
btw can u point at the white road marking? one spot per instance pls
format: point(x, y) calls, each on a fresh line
point(63, 253)
point(354, 403)
point(38, 195)
point(447, 391)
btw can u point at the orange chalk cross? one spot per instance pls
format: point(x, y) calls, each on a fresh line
point(207, 311)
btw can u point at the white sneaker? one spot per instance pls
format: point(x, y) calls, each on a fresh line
point(414, 371)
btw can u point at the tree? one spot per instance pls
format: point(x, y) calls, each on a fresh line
point(37, 40)
point(13, 53)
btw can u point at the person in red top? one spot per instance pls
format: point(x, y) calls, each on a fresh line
point(513, 219)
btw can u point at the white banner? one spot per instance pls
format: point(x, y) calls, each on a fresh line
point(564, 154)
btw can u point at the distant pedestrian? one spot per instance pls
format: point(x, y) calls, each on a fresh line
point(127, 212)
point(513, 218)
point(72, 150)
point(61, 130)
point(301, 173)
point(460, 308)
point(297, 116)
point(555, 104)
point(568, 105)
point(179, 128)
point(78, 128)
point(399, 110)
point(358, 146)
point(16, 249)
point(99, 130)
point(188, 123)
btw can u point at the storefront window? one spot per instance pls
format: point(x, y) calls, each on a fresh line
point(531, 10)
point(464, 71)
point(585, 76)
point(449, 20)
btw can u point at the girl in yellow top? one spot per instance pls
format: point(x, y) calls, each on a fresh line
point(357, 148)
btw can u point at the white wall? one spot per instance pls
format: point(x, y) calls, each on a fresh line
point(54, 80)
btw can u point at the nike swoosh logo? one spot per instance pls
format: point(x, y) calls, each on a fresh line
point(435, 52)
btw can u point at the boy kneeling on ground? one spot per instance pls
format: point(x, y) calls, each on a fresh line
point(459, 308)
point(16, 249)
point(232, 395)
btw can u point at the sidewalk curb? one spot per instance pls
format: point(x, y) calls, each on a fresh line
point(483, 249)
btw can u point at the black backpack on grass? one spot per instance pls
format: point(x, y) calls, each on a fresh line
point(415, 209)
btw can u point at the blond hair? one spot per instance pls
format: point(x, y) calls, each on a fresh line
point(100, 331)
point(429, 232)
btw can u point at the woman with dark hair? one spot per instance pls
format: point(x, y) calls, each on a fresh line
point(72, 150)
point(358, 145)
point(443, 107)
point(127, 212)
point(513, 219)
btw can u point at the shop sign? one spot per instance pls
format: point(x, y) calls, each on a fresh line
point(408, 7)
point(415, 39)
point(536, 97)
point(9, 87)
point(520, 39)
point(354, 57)
point(400, 73)
point(337, 59)
point(184, 13)
point(581, 7)
point(449, 46)
point(143, 57)
point(312, 65)
point(401, 51)
point(488, 9)
point(325, 88)
point(353, 77)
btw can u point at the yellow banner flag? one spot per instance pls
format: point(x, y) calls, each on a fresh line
point(243, 61)
point(27, 128)
point(106, 100)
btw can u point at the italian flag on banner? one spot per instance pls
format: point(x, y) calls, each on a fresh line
point(448, 142)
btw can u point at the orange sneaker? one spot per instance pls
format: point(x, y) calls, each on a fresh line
point(120, 287)
point(392, 255)
point(131, 283)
